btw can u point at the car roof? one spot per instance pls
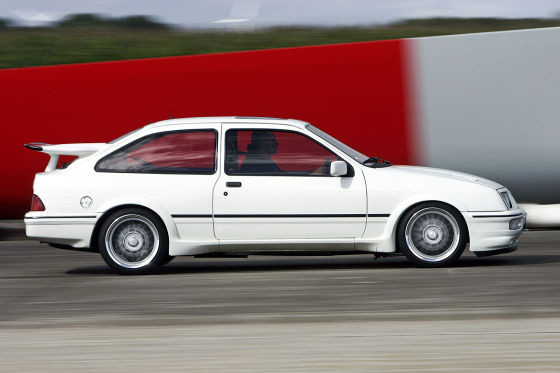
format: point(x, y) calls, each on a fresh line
point(237, 119)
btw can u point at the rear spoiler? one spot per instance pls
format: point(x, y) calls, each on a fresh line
point(55, 151)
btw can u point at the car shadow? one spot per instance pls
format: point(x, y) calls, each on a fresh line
point(182, 266)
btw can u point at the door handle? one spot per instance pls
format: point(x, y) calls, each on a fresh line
point(233, 184)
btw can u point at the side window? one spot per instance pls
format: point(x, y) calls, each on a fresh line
point(184, 152)
point(282, 153)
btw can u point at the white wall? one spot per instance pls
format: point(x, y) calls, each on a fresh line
point(489, 104)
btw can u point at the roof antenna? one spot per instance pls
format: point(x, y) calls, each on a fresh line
point(170, 113)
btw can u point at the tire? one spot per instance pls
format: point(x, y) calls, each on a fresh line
point(133, 241)
point(432, 235)
point(166, 260)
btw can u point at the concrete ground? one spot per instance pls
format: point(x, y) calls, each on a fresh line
point(64, 311)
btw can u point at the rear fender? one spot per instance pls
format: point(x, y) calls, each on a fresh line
point(143, 202)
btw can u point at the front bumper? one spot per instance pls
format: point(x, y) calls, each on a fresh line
point(490, 232)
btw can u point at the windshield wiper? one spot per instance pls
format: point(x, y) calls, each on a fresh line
point(376, 162)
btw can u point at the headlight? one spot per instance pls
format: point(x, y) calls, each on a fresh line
point(516, 224)
point(505, 196)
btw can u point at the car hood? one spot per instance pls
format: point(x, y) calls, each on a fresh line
point(448, 174)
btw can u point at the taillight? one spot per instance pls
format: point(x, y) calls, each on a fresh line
point(37, 204)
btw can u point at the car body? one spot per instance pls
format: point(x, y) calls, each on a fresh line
point(242, 185)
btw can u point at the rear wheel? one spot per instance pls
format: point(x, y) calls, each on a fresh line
point(432, 235)
point(133, 241)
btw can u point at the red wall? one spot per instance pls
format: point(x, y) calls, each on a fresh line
point(355, 91)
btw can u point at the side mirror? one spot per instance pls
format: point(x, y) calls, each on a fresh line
point(339, 168)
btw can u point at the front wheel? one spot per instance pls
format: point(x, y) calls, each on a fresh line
point(133, 241)
point(432, 235)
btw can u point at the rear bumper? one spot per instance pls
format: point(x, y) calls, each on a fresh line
point(72, 231)
point(490, 232)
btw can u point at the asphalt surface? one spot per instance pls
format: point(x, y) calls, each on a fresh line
point(65, 311)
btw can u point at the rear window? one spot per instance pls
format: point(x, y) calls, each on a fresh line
point(184, 152)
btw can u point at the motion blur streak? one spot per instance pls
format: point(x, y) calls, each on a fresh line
point(64, 311)
point(488, 105)
point(479, 103)
point(355, 91)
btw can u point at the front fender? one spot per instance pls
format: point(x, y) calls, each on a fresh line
point(400, 208)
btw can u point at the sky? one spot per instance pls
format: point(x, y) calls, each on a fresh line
point(215, 13)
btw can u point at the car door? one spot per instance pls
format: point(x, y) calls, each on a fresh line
point(276, 185)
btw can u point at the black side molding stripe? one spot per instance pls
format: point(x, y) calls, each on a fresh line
point(497, 216)
point(61, 217)
point(259, 216)
point(191, 216)
point(292, 216)
point(283, 216)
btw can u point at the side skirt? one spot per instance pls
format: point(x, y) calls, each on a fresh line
point(72, 248)
point(496, 252)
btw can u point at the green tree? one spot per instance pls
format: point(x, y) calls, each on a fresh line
point(139, 22)
point(83, 20)
point(98, 21)
point(4, 23)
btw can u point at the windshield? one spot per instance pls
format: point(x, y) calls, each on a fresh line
point(354, 154)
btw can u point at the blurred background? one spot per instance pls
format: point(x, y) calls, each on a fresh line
point(466, 85)
point(49, 32)
point(418, 92)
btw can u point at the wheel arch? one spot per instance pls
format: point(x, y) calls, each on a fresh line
point(110, 211)
point(403, 212)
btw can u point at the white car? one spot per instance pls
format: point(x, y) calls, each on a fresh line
point(242, 185)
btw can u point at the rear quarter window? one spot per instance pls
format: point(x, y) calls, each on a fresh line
point(183, 152)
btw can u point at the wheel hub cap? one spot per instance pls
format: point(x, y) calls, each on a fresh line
point(432, 235)
point(133, 241)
